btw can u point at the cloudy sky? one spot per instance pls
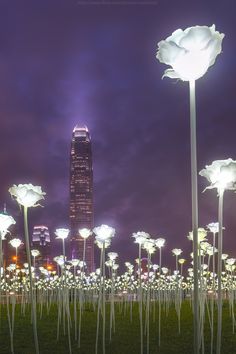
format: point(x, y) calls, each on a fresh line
point(68, 62)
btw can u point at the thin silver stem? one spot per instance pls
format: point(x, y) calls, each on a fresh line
point(194, 211)
point(220, 243)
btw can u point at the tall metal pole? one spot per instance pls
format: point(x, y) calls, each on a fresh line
point(220, 242)
point(194, 211)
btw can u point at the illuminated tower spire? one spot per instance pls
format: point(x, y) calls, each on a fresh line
point(81, 194)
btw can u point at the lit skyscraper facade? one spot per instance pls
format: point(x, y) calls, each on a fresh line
point(41, 242)
point(81, 194)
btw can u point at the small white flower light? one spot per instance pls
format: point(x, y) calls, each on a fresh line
point(177, 251)
point(202, 234)
point(182, 261)
point(160, 242)
point(140, 237)
point(230, 261)
point(104, 233)
point(112, 255)
point(15, 242)
point(35, 253)
point(85, 233)
point(62, 233)
point(213, 227)
point(224, 256)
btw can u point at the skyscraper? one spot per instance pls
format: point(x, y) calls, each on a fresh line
point(41, 242)
point(81, 194)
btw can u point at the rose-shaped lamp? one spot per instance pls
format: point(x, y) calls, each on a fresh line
point(62, 234)
point(85, 233)
point(103, 236)
point(213, 227)
point(103, 233)
point(222, 175)
point(15, 242)
point(35, 253)
point(5, 222)
point(190, 53)
point(112, 255)
point(27, 195)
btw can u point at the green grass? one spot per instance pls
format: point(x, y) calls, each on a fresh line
point(124, 341)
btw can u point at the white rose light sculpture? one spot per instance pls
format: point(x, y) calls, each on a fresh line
point(28, 195)
point(190, 53)
point(112, 258)
point(5, 222)
point(222, 175)
point(160, 243)
point(103, 236)
point(62, 234)
point(84, 233)
point(15, 243)
point(35, 253)
point(214, 229)
point(149, 246)
point(176, 252)
point(140, 238)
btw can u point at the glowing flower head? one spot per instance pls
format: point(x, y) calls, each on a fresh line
point(230, 261)
point(104, 233)
point(62, 233)
point(59, 260)
point(140, 237)
point(85, 233)
point(221, 174)
point(5, 222)
point(160, 242)
point(155, 267)
point(224, 256)
point(102, 244)
point(164, 270)
point(15, 242)
point(177, 251)
point(149, 245)
point(182, 261)
point(115, 266)
point(202, 234)
point(35, 253)
point(213, 227)
point(190, 52)
point(112, 255)
point(27, 194)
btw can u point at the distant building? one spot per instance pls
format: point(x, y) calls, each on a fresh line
point(81, 194)
point(41, 242)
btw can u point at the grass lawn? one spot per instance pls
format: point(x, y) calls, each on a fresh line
point(124, 341)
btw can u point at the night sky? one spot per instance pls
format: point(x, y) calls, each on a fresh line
point(63, 63)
